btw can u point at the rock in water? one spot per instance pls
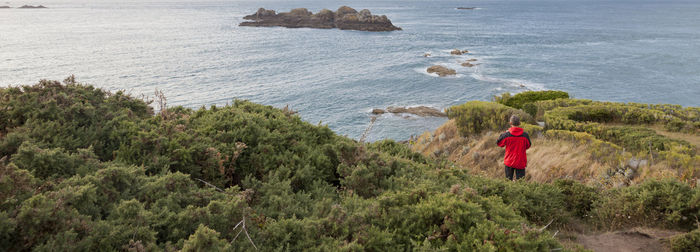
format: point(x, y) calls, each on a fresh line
point(419, 111)
point(458, 52)
point(345, 18)
point(378, 111)
point(32, 7)
point(441, 70)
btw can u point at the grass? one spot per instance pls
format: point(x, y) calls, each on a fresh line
point(548, 159)
point(692, 139)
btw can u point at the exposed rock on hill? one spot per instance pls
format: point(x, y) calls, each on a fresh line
point(345, 18)
point(441, 70)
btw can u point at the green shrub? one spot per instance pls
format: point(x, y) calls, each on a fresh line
point(526, 100)
point(665, 203)
point(476, 116)
point(686, 242)
point(587, 119)
point(55, 162)
point(532, 130)
point(205, 239)
point(70, 116)
point(578, 198)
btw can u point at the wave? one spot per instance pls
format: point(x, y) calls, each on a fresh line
point(518, 83)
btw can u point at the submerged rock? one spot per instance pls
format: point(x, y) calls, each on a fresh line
point(467, 64)
point(466, 8)
point(441, 70)
point(378, 111)
point(345, 18)
point(427, 55)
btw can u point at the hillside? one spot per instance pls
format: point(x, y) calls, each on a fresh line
point(83, 169)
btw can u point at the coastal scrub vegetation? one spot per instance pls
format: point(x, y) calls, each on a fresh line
point(526, 100)
point(618, 165)
point(83, 169)
point(637, 140)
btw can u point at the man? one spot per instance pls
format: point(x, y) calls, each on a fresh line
point(516, 142)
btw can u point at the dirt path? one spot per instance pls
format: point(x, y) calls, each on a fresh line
point(637, 239)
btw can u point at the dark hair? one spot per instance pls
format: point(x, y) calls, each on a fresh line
point(515, 120)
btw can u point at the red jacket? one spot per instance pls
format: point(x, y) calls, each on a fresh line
point(516, 142)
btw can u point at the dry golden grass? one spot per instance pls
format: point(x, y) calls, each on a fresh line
point(548, 159)
point(692, 139)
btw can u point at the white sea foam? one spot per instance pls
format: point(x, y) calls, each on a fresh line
point(509, 82)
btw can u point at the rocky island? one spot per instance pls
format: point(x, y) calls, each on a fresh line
point(4, 7)
point(345, 18)
point(32, 7)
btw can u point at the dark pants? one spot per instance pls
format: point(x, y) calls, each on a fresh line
point(519, 173)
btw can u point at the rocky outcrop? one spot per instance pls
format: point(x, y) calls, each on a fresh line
point(441, 70)
point(32, 7)
point(419, 111)
point(427, 55)
point(345, 18)
point(458, 52)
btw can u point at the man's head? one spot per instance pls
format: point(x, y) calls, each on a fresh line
point(514, 120)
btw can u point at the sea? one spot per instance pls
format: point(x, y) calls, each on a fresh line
point(195, 53)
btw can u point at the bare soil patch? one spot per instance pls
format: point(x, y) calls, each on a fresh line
point(636, 239)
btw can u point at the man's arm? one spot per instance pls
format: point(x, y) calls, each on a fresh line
point(529, 143)
point(501, 139)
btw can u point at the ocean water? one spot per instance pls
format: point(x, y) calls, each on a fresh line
point(195, 52)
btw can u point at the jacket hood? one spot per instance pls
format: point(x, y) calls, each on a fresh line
point(515, 131)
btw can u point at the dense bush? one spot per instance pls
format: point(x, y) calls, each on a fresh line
point(107, 175)
point(526, 100)
point(644, 141)
point(70, 116)
point(666, 203)
point(673, 117)
point(476, 116)
point(686, 242)
point(578, 198)
point(87, 170)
